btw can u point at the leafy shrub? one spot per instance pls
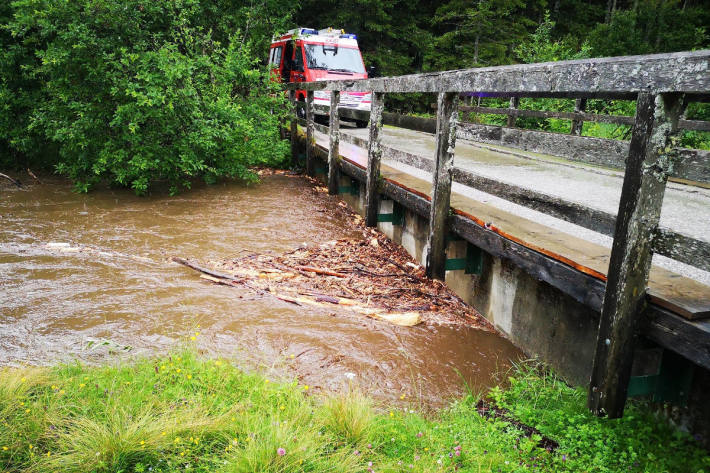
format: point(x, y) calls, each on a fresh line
point(137, 92)
point(636, 442)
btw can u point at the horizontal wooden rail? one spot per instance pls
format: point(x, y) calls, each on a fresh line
point(682, 248)
point(696, 125)
point(587, 117)
point(689, 164)
point(688, 338)
point(615, 77)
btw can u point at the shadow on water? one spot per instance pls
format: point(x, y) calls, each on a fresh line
point(77, 269)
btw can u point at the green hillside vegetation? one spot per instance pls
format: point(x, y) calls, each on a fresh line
point(137, 93)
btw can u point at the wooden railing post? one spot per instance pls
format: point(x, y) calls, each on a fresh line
point(446, 119)
point(374, 156)
point(294, 128)
point(580, 105)
point(334, 144)
point(310, 155)
point(514, 104)
point(647, 168)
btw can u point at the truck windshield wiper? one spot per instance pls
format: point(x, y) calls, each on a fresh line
point(342, 70)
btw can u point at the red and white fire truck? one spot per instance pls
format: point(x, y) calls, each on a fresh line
point(306, 54)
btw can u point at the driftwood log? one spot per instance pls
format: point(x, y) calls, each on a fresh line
point(14, 181)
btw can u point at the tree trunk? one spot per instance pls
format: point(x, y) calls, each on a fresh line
point(475, 50)
point(607, 17)
point(659, 28)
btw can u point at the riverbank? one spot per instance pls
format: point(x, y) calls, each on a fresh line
point(185, 412)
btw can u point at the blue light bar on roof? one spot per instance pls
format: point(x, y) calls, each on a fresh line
point(348, 36)
point(309, 31)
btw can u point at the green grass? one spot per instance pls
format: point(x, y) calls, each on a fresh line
point(186, 413)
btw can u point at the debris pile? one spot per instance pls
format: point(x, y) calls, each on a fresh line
point(371, 275)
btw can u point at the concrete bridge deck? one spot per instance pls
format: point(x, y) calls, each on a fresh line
point(678, 287)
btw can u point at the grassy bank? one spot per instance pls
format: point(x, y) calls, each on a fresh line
point(187, 413)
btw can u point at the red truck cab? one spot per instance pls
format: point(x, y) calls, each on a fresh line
point(307, 55)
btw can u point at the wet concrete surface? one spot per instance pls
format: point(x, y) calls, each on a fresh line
point(686, 209)
point(85, 275)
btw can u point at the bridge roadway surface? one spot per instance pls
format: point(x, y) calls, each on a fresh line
point(686, 209)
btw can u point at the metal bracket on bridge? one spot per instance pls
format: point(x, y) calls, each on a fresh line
point(471, 264)
point(395, 218)
point(670, 382)
point(352, 189)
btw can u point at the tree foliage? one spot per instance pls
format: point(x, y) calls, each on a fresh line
point(137, 92)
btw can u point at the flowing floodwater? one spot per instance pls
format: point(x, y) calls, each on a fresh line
point(88, 277)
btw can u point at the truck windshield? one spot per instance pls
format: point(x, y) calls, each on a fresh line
point(332, 58)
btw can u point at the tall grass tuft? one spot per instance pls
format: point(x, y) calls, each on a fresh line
point(349, 416)
point(120, 439)
point(288, 446)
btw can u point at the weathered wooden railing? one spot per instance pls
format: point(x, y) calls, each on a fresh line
point(578, 117)
point(662, 85)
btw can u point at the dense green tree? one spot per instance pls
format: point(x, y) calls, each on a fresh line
point(477, 33)
point(136, 92)
point(393, 34)
point(21, 146)
point(652, 26)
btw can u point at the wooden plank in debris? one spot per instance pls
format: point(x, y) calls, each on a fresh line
point(374, 156)
point(334, 145)
point(447, 116)
point(630, 262)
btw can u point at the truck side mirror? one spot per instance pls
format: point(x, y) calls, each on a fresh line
point(372, 72)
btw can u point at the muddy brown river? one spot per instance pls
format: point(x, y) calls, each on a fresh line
point(87, 277)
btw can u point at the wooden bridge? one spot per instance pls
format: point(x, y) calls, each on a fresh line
point(632, 296)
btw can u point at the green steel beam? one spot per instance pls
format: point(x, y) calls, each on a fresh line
point(471, 264)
